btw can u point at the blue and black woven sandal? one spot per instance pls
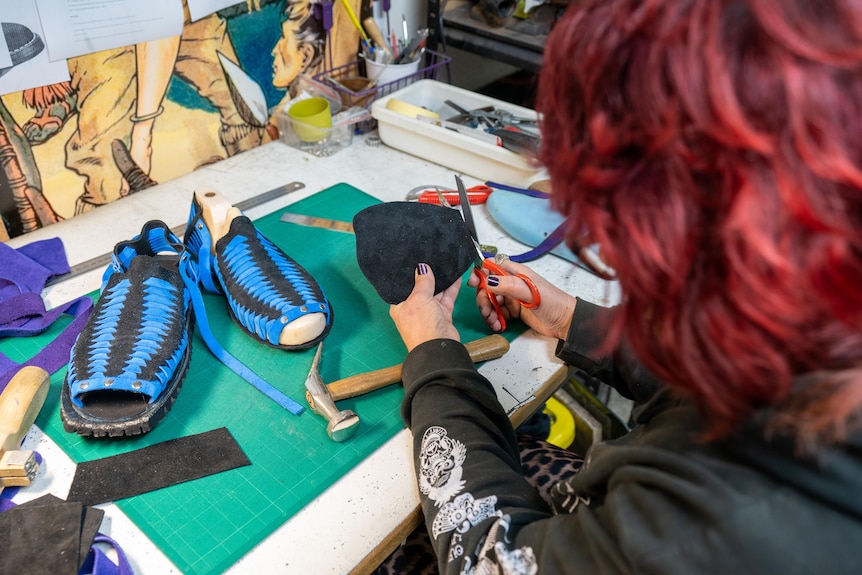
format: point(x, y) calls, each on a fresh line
point(270, 296)
point(129, 362)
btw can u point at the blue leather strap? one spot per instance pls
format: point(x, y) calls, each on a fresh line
point(189, 274)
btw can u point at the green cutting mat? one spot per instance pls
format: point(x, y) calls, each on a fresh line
point(206, 525)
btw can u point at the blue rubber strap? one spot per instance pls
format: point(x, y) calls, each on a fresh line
point(549, 243)
point(221, 354)
point(525, 191)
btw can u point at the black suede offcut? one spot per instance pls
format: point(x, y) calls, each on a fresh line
point(394, 237)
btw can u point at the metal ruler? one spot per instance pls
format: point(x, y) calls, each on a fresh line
point(316, 222)
point(102, 261)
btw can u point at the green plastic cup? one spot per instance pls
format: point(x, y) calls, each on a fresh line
point(311, 118)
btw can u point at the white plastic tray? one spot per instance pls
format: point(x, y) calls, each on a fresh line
point(446, 147)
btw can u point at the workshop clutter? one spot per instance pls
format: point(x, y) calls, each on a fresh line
point(528, 17)
point(385, 64)
point(44, 518)
point(385, 73)
point(364, 81)
point(304, 122)
point(311, 119)
point(468, 132)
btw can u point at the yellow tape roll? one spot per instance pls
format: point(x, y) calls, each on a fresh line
point(401, 107)
point(562, 423)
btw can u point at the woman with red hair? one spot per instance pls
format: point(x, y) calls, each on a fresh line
point(712, 149)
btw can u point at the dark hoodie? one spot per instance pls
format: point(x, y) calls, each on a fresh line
point(657, 500)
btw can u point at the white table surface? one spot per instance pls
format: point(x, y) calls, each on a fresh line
point(334, 532)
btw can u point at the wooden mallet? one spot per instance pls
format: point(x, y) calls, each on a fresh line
point(20, 403)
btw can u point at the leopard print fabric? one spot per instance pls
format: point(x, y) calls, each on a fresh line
point(543, 465)
point(413, 557)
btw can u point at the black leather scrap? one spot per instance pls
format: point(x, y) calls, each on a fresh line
point(393, 237)
point(47, 535)
point(155, 467)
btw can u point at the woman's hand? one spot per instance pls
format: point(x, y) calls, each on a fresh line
point(424, 316)
point(554, 314)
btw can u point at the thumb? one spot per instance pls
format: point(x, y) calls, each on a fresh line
point(424, 280)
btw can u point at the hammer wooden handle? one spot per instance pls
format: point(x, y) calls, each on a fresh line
point(489, 347)
point(20, 403)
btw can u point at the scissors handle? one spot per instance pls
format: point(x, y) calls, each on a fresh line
point(475, 195)
point(495, 269)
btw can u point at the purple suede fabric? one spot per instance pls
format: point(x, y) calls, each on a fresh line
point(23, 274)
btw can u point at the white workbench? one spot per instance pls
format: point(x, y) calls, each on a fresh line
point(352, 518)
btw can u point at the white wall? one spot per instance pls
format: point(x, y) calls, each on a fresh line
point(415, 11)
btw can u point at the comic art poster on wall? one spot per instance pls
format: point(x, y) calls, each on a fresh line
point(124, 119)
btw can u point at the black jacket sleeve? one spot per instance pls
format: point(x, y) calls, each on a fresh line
point(466, 454)
point(582, 349)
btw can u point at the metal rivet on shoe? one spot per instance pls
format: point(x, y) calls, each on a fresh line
point(282, 319)
point(200, 226)
point(304, 308)
point(109, 382)
point(322, 307)
point(84, 384)
point(137, 385)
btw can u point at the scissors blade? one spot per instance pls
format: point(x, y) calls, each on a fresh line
point(467, 214)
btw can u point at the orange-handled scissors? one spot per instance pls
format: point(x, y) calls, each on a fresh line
point(481, 263)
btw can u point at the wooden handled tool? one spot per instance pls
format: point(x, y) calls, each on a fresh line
point(20, 403)
point(374, 31)
point(489, 347)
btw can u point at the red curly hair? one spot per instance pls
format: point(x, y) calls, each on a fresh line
point(713, 148)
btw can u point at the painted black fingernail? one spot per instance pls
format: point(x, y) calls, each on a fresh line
point(422, 269)
point(493, 281)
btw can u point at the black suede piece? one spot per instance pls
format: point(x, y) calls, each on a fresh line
point(47, 535)
point(155, 467)
point(394, 237)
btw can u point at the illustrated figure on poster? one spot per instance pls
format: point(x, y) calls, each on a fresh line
point(300, 49)
point(117, 100)
point(304, 44)
point(53, 104)
point(25, 207)
point(154, 65)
